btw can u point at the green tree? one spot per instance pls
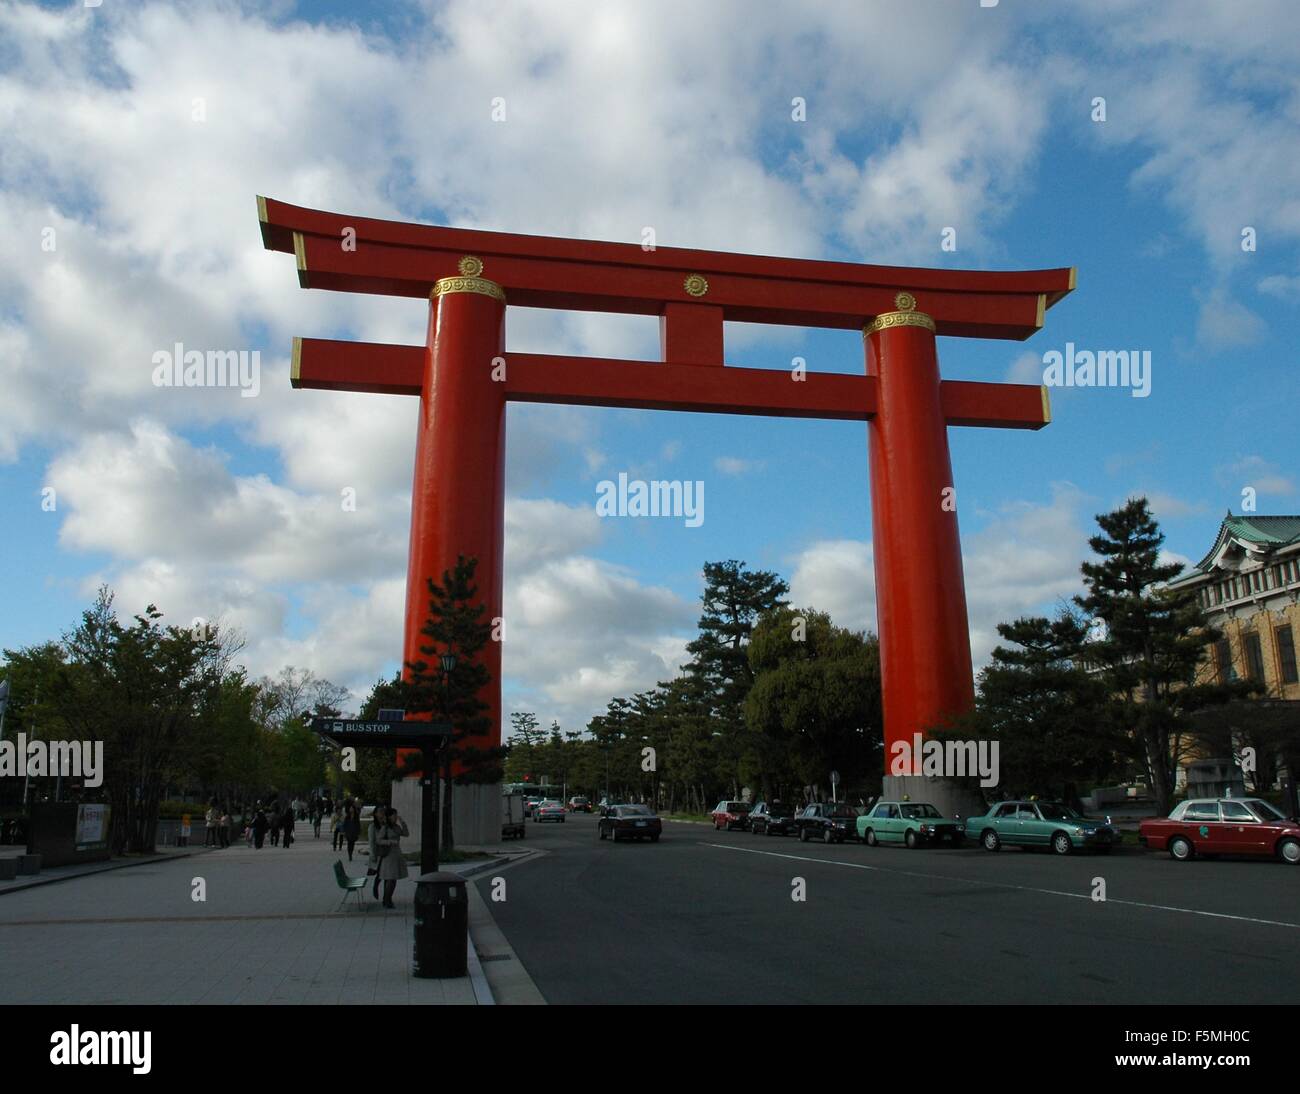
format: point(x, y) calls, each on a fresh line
point(734, 599)
point(139, 690)
point(1049, 713)
point(455, 625)
point(1154, 641)
point(815, 703)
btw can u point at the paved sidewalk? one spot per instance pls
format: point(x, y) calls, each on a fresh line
point(269, 931)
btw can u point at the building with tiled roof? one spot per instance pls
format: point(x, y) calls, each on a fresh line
point(1249, 586)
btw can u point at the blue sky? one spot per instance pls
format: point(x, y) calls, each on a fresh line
point(141, 133)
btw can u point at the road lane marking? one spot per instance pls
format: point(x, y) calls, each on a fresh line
point(1007, 885)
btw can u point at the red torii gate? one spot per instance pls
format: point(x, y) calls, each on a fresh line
point(459, 488)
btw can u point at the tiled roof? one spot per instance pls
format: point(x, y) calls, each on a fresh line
point(1266, 531)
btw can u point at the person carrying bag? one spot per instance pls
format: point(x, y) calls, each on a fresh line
point(386, 852)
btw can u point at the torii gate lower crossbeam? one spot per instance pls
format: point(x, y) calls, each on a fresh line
point(464, 376)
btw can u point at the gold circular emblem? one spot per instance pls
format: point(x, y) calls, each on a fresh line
point(695, 285)
point(470, 266)
point(905, 301)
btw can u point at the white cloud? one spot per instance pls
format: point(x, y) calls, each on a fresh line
point(1257, 473)
point(1167, 507)
point(1281, 286)
point(1023, 560)
point(1027, 368)
point(736, 465)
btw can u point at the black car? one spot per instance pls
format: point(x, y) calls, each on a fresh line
point(624, 822)
point(830, 822)
point(771, 819)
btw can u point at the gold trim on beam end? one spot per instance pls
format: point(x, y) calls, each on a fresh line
point(1047, 405)
point(898, 319)
point(300, 253)
point(263, 223)
point(295, 364)
point(1074, 277)
point(480, 285)
point(1042, 310)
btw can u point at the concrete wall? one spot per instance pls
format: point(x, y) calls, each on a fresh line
point(476, 819)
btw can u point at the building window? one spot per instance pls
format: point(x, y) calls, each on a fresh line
point(1254, 657)
point(1286, 654)
point(1223, 657)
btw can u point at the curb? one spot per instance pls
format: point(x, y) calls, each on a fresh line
point(102, 869)
point(477, 978)
point(509, 981)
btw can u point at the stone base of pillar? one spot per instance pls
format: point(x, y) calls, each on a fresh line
point(952, 797)
point(476, 813)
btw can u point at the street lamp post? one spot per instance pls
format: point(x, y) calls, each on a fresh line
point(430, 791)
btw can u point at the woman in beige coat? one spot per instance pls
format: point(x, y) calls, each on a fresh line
point(386, 834)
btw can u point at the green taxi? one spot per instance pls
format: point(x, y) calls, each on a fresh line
point(909, 823)
point(1033, 823)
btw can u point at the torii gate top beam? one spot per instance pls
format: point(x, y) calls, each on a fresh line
point(397, 259)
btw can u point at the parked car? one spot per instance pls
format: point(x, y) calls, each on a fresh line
point(728, 815)
point(549, 810)
point(771, 819)
point(1223, 826)
point(1041, 824)
point(630, 822)
point(908, 823)
point(579, 805)
point(830, 822)
point(531, 803)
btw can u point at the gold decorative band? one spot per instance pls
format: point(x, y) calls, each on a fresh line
point(899, 319)
point(480, 285)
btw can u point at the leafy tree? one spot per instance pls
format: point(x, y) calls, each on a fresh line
point(34, 674)
point(815, 703)
point(138, 689)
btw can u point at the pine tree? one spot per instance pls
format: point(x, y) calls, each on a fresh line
point(734, 600)
point(456, 625)
point(1050, 714)
point(1154, 641)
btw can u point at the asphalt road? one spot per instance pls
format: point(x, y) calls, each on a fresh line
point(708, 917)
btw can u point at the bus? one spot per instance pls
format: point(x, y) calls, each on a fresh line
point(534, 790)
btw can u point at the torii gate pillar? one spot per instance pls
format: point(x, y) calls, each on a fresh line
point(458, 494)
point(925, 657)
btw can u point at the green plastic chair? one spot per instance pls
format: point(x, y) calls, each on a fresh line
point(349, 884)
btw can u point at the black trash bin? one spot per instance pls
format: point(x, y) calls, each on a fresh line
point(441, 925)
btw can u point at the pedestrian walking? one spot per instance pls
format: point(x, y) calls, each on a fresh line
point(274, 822)
point(260, 824)
point(386, 851)
point(315, 818)
point(351, 827)
point(287, 819)
point(336, 831)
point(210, 825)
point(223, 831)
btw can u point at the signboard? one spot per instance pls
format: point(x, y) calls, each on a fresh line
point(64, 833)
point(92, 827)
point(409, 733)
